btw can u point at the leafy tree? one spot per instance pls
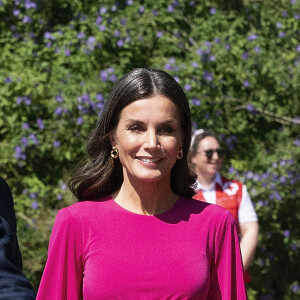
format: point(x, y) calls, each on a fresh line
point(239, 64)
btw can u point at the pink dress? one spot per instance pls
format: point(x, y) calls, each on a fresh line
point(99, 250)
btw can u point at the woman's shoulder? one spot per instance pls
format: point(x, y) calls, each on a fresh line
point(83, 209)
point(207, 210)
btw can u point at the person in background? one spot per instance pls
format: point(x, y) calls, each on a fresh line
point(13, 283)
point(136, 232)
point(206, 158)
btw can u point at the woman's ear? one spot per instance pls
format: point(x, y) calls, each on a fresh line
point(192, 158)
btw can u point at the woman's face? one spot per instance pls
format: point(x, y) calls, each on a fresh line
point(148, 137)
point(205, 166)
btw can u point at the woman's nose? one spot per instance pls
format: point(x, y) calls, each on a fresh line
point(151, 140)
point(215, 155)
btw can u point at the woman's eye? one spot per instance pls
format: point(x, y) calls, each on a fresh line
point(166, 129)
point(136, 128)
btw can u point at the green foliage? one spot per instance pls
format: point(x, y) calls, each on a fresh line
point(239, 65)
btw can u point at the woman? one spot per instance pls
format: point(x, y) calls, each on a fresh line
point(13, 283)
point(206, 157)
point(135, 232)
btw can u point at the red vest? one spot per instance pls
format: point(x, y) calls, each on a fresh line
point(228, 195)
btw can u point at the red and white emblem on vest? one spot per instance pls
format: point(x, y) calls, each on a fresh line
point(230, 188)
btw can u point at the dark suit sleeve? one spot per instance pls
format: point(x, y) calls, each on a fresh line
point(8, 214)
point(13, 283)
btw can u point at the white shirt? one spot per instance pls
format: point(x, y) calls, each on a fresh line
point(246, 211)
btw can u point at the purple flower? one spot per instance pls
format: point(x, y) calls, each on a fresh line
point(297, 16)
point(79, 121)
point(249, 175)
point(192, 3)
point(18, 152)
point(25, 126)
point(8, 79)
point(231, 170)
point(246, 83)
point(187, 87)
point(58, 111)
point(113, 78)
point(217, 40)
point(195, 101)
point(212, 11)
point(278, 25)
point(103, 10)
point(257, 49)
point(245, 55)
point(159, 34)
point(34, 204)
point(98, 20)
point(103, 75)
point(34, 138)
point(286, 233)
point(16, 12)
point(298, 48)
point(207, 44)
point(141, 10)
point(295, 288)
point(123, 22)
point(155, 12)
point(40, 123)
point(91, 42)
point(227, 47)
point(282, 34)
point(120, 43)
point(168, 67)
point(208, 76)
point(116, 33)
point(212, 58)
point(102, 27)
point(56, 144)
point(194, 64)
point(297, 143)
point(99, 97)
point(251, 108)
point(29, 4)
point(24, 141)
point(67, 52)
point(129, 2)
point(252, 37)
point(27, 19)
point(80, 35)
point(293, 1)
point(59, 98)
point(48, 35)
point(284, 13)
point(59, 197)
point(170, 8)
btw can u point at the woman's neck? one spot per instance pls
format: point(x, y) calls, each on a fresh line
point(206, 181)
point(146, 198)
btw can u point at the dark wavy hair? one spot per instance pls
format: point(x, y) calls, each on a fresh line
point(99, 175)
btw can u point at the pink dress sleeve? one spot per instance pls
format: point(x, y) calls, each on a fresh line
point(62, 277)
point(227, 275)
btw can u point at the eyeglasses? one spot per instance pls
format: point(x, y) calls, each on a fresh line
point(210, 152)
